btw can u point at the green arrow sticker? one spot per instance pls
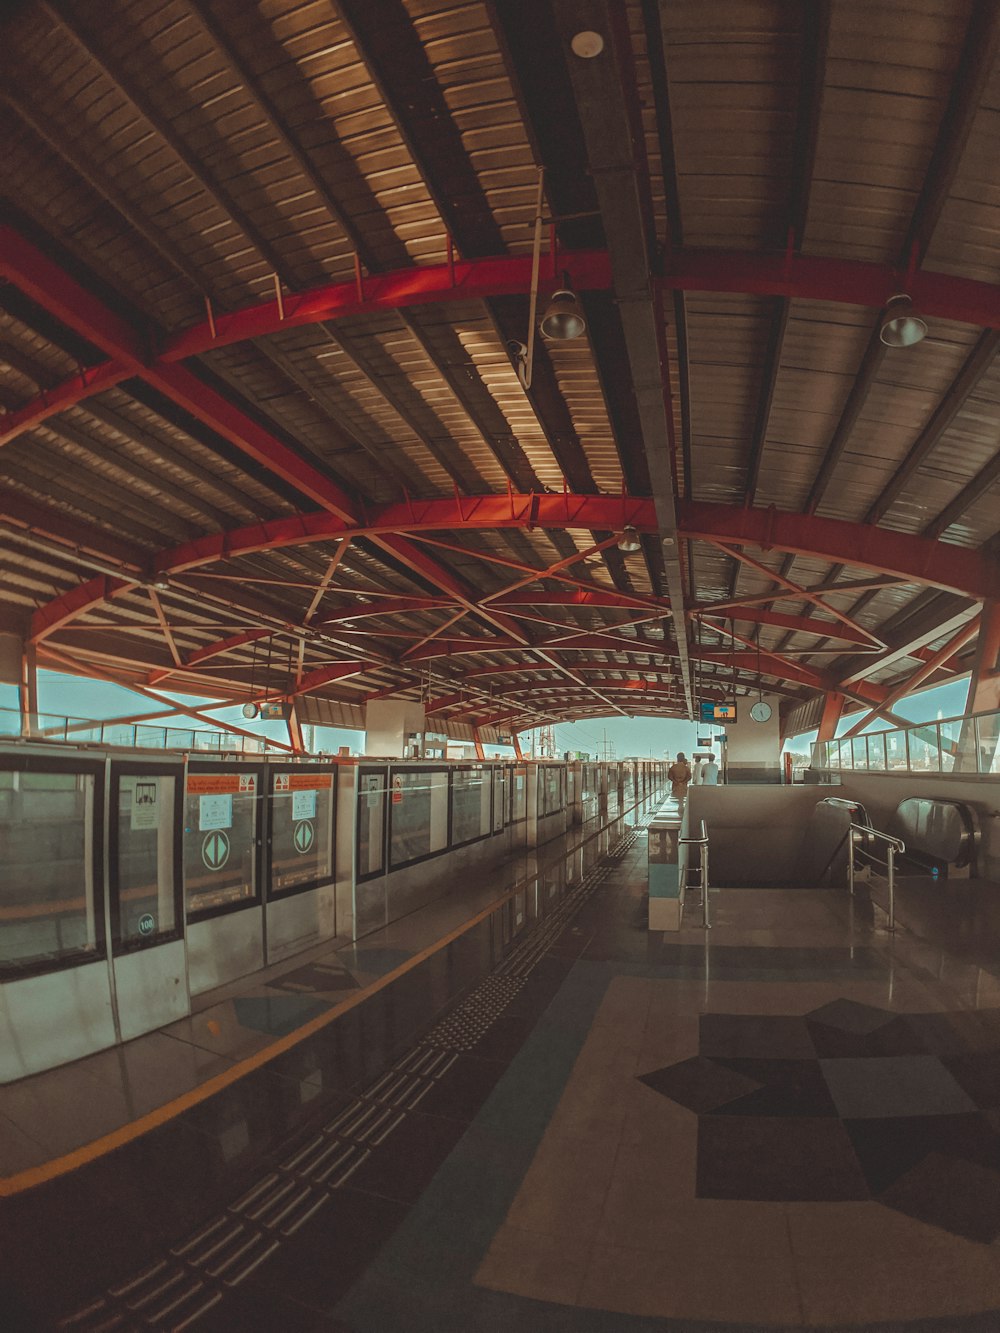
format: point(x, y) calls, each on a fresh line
point(302, 836)
point(215, 849)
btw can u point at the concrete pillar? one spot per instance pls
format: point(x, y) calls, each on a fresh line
point(983, 696)
point(753, 748)
point(574, 791)
point(17, 667)
point(388, 725)
point(531, 804)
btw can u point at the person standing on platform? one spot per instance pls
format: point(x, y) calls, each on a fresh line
point(710, 772)
point(679, 774)
point(699, 765)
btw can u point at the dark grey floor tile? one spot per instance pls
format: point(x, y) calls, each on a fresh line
point(959, 1196)
point(887, 1149)
point(959, 1032)
point(788, 1088)
point(897, 1037)
point(780, 1158)
point(755, 1036)
point(698, 1083)
point(978, 1075)
point(901, 1085)
point(850, 1016)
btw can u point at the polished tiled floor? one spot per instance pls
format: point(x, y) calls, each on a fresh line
point(52, 1114)
point(790, 1121)
point(786, 1125)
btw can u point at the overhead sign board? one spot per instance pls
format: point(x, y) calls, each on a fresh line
point(712, 712)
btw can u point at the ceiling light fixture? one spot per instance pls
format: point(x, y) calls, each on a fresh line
point(587, 44)
point(161, 583)
point(900, 327)
point(563, 318)
point(628, 542)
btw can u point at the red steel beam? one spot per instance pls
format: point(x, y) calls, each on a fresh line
point(899, 554)
point(323, 675)
point(797, 624)
point(789, 275)
point(916, 559)
point(22, 512)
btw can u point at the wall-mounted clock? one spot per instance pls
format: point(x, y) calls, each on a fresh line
point(760, 711)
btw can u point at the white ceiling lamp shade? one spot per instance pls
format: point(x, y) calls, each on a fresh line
point(628, 542)
point(900, 327)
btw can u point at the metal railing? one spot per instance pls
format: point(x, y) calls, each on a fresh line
point(967, 744)
point(701, 842)
point(56, 728)
point(893, 845)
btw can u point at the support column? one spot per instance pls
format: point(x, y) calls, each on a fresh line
point(983, 696)
point(477, 743)
point(393, 727)
point(18, 667)
point(833, 709)
point(295, 730)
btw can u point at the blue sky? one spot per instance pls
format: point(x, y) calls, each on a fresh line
point(76, 697)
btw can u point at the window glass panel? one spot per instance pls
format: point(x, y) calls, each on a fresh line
point(924, 754)
point(508, 795)
point(467, 804)
point(371, 820)
point(846, 759)
point(988, 742)
point(876, 750)
point(498, 798)
point(520, 793)
point(47, 900)
point(895, 750)
point(144, 870)
point(220, 840)
point(301, 830)
point(859, 751)
point(418, 815)
point(950, 733)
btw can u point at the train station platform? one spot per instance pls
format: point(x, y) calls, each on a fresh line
point(791, 1120)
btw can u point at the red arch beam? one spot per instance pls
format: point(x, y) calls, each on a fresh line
point(810, 277)
point(903, 555)
point(916, 559)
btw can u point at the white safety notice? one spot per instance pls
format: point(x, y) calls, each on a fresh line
point(303, 805)
point(145, 812)
point(374, 790)
point(215, 812)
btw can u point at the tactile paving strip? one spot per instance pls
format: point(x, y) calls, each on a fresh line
point(192, 1277)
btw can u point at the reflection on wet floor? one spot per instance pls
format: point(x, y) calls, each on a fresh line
point(789, 1121)
point(40, 1116)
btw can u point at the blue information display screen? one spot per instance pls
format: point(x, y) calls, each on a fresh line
point(711, 712)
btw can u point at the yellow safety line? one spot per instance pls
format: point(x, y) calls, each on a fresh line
point(59, 1166)
point(71, 1161)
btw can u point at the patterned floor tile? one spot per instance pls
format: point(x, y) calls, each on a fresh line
point(903, 1085)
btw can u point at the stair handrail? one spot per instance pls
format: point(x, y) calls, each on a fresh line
point(893, 845)
point(701, 842)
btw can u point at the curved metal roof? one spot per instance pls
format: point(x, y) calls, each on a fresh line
point(265, 270)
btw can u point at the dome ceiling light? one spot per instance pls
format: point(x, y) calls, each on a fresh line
point(900, 327)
